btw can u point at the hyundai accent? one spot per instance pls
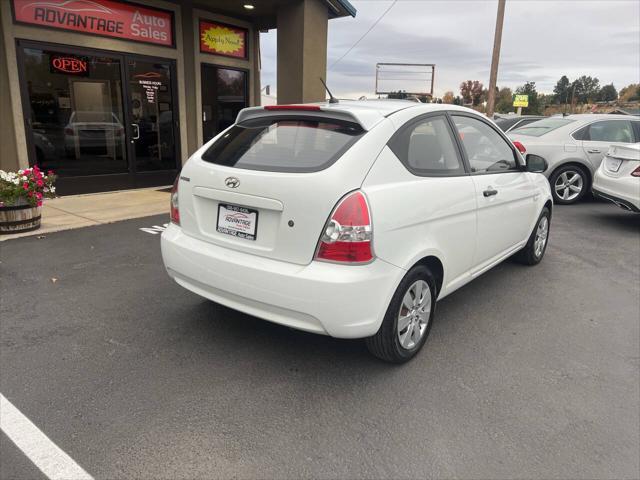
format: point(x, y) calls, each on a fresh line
point(351, 219)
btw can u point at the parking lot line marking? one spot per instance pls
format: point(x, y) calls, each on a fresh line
point(38, 448)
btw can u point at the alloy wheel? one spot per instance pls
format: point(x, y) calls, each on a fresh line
point(569, 185)
point(414, 314)
point(542, 234)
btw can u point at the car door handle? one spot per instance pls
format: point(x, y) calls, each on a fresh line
point(489, 192)
point(594, 150)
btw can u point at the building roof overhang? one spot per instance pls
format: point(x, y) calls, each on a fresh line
point(264, 13)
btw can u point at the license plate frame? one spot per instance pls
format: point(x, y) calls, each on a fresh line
point(237, 221)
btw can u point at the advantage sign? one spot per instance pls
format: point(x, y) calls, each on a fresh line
point(109, 18)
point(521, 100)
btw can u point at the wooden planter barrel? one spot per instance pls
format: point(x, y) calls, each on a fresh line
point(19, 218)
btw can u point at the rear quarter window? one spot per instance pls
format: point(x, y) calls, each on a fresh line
point(284, 144)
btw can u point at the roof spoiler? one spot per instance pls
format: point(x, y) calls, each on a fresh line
point(366, 120)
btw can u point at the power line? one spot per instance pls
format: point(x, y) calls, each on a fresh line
point(365, 34)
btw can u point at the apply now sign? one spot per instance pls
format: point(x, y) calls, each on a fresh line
point(521, 100)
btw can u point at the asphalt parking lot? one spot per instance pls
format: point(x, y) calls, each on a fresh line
point(530, 372)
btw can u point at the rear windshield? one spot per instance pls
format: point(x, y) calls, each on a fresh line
point(539, 128)
point(505, 123)
point(284, 144)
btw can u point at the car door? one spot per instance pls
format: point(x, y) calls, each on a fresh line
point(599, 136)
point(505, 193)
point(423, 200)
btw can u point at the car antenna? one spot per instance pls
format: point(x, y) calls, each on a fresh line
point(332, 99)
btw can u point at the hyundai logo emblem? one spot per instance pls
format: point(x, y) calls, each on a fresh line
point(232, 182)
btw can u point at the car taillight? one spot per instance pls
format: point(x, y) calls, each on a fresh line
point(520, 147)
point(636, 172)
point(347, 235)
point(175, 211)
point(69, 131)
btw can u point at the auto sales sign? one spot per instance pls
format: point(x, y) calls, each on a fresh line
point(110, 18)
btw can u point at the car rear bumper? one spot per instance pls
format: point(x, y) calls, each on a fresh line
point(624, 192)
point(339, 300)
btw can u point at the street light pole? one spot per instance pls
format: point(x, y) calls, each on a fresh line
point(497, 40)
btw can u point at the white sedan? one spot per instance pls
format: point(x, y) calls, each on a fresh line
point(351, 219)
point(618, 178)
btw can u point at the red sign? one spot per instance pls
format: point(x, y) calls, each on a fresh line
point(71, 65)
point(222, 39)
point(110, 18)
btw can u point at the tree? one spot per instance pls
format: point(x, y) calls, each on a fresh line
point(504, 100)
point(630, 93)
point(447, 97)
point(562, 90)
point(608, 93)
point(585, 89)
point(458, 100)
point(529, 89)
point(471, 92)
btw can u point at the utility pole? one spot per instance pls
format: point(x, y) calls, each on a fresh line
point(497, 40)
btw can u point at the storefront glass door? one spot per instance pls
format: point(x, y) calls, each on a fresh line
point(101, 121)
point(152, 112)
point(224, 94)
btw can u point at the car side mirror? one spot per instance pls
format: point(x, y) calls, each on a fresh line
point(536, 164)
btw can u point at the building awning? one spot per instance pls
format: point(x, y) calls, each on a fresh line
point(264, 12)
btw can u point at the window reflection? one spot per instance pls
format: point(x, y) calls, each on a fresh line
point(76, 112)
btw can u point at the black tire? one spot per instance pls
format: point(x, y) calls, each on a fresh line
point(528, 255)
point(570, 170)
point(385, 344)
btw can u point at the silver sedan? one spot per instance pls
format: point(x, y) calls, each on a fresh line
point(574, 147)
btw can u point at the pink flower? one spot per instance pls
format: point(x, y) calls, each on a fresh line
point(50, 172)
point(40, 183)
point(30, 194)
point(25, 185)
point(39, 203)
point(38, 195)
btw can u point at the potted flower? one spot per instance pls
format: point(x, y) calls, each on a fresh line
point(21, 196)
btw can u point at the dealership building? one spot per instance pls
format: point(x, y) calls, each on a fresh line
point(113, 94)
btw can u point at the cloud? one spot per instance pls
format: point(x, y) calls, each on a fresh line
point(542, 40)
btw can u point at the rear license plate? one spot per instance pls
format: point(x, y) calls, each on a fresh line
point(238, 221)
point(613, 164)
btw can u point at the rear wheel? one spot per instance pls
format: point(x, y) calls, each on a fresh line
point(569, 184)
point(408, 319)
point(534, 250)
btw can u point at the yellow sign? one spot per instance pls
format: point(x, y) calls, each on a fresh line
point(521, 101)
point(222, 39)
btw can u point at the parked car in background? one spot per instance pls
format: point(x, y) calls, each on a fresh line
point(100, 131)
point(45, 150)
point(512, 121)
point(352, 219)
point(574, 147)
point(618, 178)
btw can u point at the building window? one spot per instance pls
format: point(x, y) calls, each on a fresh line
point(77, 121)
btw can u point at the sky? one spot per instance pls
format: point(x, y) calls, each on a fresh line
point(541, 41)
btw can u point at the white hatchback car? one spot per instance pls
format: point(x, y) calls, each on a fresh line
point(618, 178)
point(351, 219)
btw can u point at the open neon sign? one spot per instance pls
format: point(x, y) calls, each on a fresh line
point(69, 65)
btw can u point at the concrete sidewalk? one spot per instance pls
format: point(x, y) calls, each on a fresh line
point(78, 211)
